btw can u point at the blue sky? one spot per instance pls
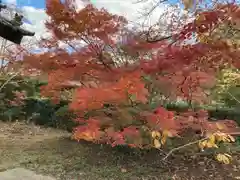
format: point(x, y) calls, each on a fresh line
point(34, 12)
point(39, 4)
point(34, 9)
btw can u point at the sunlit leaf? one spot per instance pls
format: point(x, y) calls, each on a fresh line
point(156, 134)
point(231, 138)
point(224, 158)
point(156, 143)
point(212, 139)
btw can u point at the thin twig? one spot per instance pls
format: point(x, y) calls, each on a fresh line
point(194, 142)
point(7, 81)
point(233, 97)
point(183, 146)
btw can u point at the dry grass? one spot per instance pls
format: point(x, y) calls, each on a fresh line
point(51, 152)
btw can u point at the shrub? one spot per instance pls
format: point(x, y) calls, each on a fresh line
point(113, 100)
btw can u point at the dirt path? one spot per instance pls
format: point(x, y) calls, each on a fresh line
point(23, 174)
point(51, 152)
point(17, 138)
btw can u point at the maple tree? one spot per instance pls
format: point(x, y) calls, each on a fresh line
point(112, 98)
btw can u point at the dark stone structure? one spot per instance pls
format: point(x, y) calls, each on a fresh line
point(11, 30)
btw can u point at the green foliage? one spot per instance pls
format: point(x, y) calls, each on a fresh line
point(9, 111)
point(225, 113)
point(227, 88)
point(43, 112)
point(33, 108)
point(214, 112)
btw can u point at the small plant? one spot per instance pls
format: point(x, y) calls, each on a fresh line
point(213, 141)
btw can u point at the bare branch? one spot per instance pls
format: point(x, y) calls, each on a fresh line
point(149, 12)
point(8, 80)
point(183, 146)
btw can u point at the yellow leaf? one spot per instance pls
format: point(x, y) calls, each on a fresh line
point(155, 134)
point(163, 140)
point(219, 157)
point(156, 143)
point(201, 145)
point(219, 137)
point(228, 155)
point(231, 138)
point(222, 137)
point(165, 134)
point(226, 139)
point(212, 139)
point(224, 158)
point(209, 145)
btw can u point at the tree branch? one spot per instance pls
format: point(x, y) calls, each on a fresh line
point(8, 80)
point(183, 146)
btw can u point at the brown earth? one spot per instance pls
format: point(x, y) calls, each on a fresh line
point(52, 152)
